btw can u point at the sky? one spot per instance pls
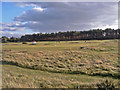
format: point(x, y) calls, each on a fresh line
point(20, 18)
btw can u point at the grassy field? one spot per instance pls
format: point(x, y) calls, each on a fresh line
point(65, 64)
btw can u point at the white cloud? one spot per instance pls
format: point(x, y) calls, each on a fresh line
point(24, 4)
point(38, 9)
point(13, 26)
point(10, 34)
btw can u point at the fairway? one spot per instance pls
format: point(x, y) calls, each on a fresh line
point(64, 64)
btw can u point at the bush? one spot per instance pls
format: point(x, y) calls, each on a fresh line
point(81, 47)
point(107, 84)
point(24, 43)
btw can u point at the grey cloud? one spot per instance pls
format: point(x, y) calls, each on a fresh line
point(63, 16)
point(15, 26)
point(69, 16)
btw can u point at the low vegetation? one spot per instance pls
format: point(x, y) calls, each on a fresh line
point(70, 61)
point(16, 77)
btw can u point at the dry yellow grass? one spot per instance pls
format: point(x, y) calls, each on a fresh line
point(95, 58)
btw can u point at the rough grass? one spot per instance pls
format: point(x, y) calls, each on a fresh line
point(91, 58)
point(16, 77)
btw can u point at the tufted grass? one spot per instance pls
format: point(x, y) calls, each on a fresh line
point(94, 59)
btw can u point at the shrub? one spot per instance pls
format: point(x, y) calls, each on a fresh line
point(24, 43)
point(107, 84)
point(81, 47)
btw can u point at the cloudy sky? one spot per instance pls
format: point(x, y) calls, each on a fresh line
point(27, 18)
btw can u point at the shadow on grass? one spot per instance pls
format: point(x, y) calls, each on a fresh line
point(32, 44)
point(0, 62)
point(115, 76)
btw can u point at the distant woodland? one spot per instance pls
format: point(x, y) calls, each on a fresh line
point(95, 34)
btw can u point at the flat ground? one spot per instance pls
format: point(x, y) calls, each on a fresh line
point(69, 64)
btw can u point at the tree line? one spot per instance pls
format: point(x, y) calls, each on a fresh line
point(94, 34)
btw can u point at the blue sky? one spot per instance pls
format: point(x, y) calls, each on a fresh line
point(10, 10)
point(26, 18)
